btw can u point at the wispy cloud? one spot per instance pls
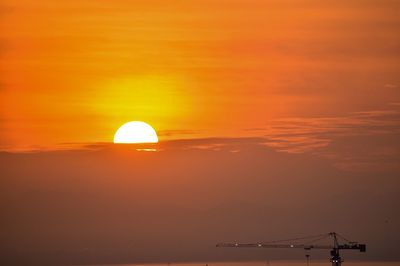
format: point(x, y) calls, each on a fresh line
point(177, 133)
point(391, 86)
point(359, 140)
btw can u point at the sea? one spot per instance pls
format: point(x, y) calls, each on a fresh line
point(267, 263)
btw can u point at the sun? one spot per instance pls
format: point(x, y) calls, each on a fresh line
point(135, 132)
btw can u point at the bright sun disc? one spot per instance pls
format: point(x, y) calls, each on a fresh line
point(135, 132)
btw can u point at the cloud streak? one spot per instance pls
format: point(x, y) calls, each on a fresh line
point(370, 136)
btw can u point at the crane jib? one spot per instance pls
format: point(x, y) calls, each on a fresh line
point(335, 248)
point(360, 247)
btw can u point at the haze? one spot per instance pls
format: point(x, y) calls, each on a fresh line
point(275, 119)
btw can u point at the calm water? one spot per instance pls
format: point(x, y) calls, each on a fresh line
point(270, 263)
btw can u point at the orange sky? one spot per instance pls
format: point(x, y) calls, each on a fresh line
point(74, 71)
point(277, 119)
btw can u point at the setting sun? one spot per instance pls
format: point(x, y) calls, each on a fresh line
point(135, 132)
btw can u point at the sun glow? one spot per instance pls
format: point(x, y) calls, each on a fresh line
point(135, 132)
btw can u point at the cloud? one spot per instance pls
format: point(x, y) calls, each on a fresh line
point(175, 133)
point(391, 86)
point(361, 141)
point(371, 137)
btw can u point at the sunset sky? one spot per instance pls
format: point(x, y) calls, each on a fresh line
point(74, 71)
point(256, 104)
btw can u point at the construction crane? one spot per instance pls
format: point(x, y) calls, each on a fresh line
point(308, 245)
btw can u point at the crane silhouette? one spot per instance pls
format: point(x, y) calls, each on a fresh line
point(307, 245)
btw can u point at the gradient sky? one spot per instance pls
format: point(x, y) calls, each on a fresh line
point(74, 71)
point(273, 116)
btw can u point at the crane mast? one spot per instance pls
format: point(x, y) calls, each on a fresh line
point(336, 260)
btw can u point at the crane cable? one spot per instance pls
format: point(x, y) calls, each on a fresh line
point(345, 239)
point(315, 240)
point(312, 239)
point(320, 236)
